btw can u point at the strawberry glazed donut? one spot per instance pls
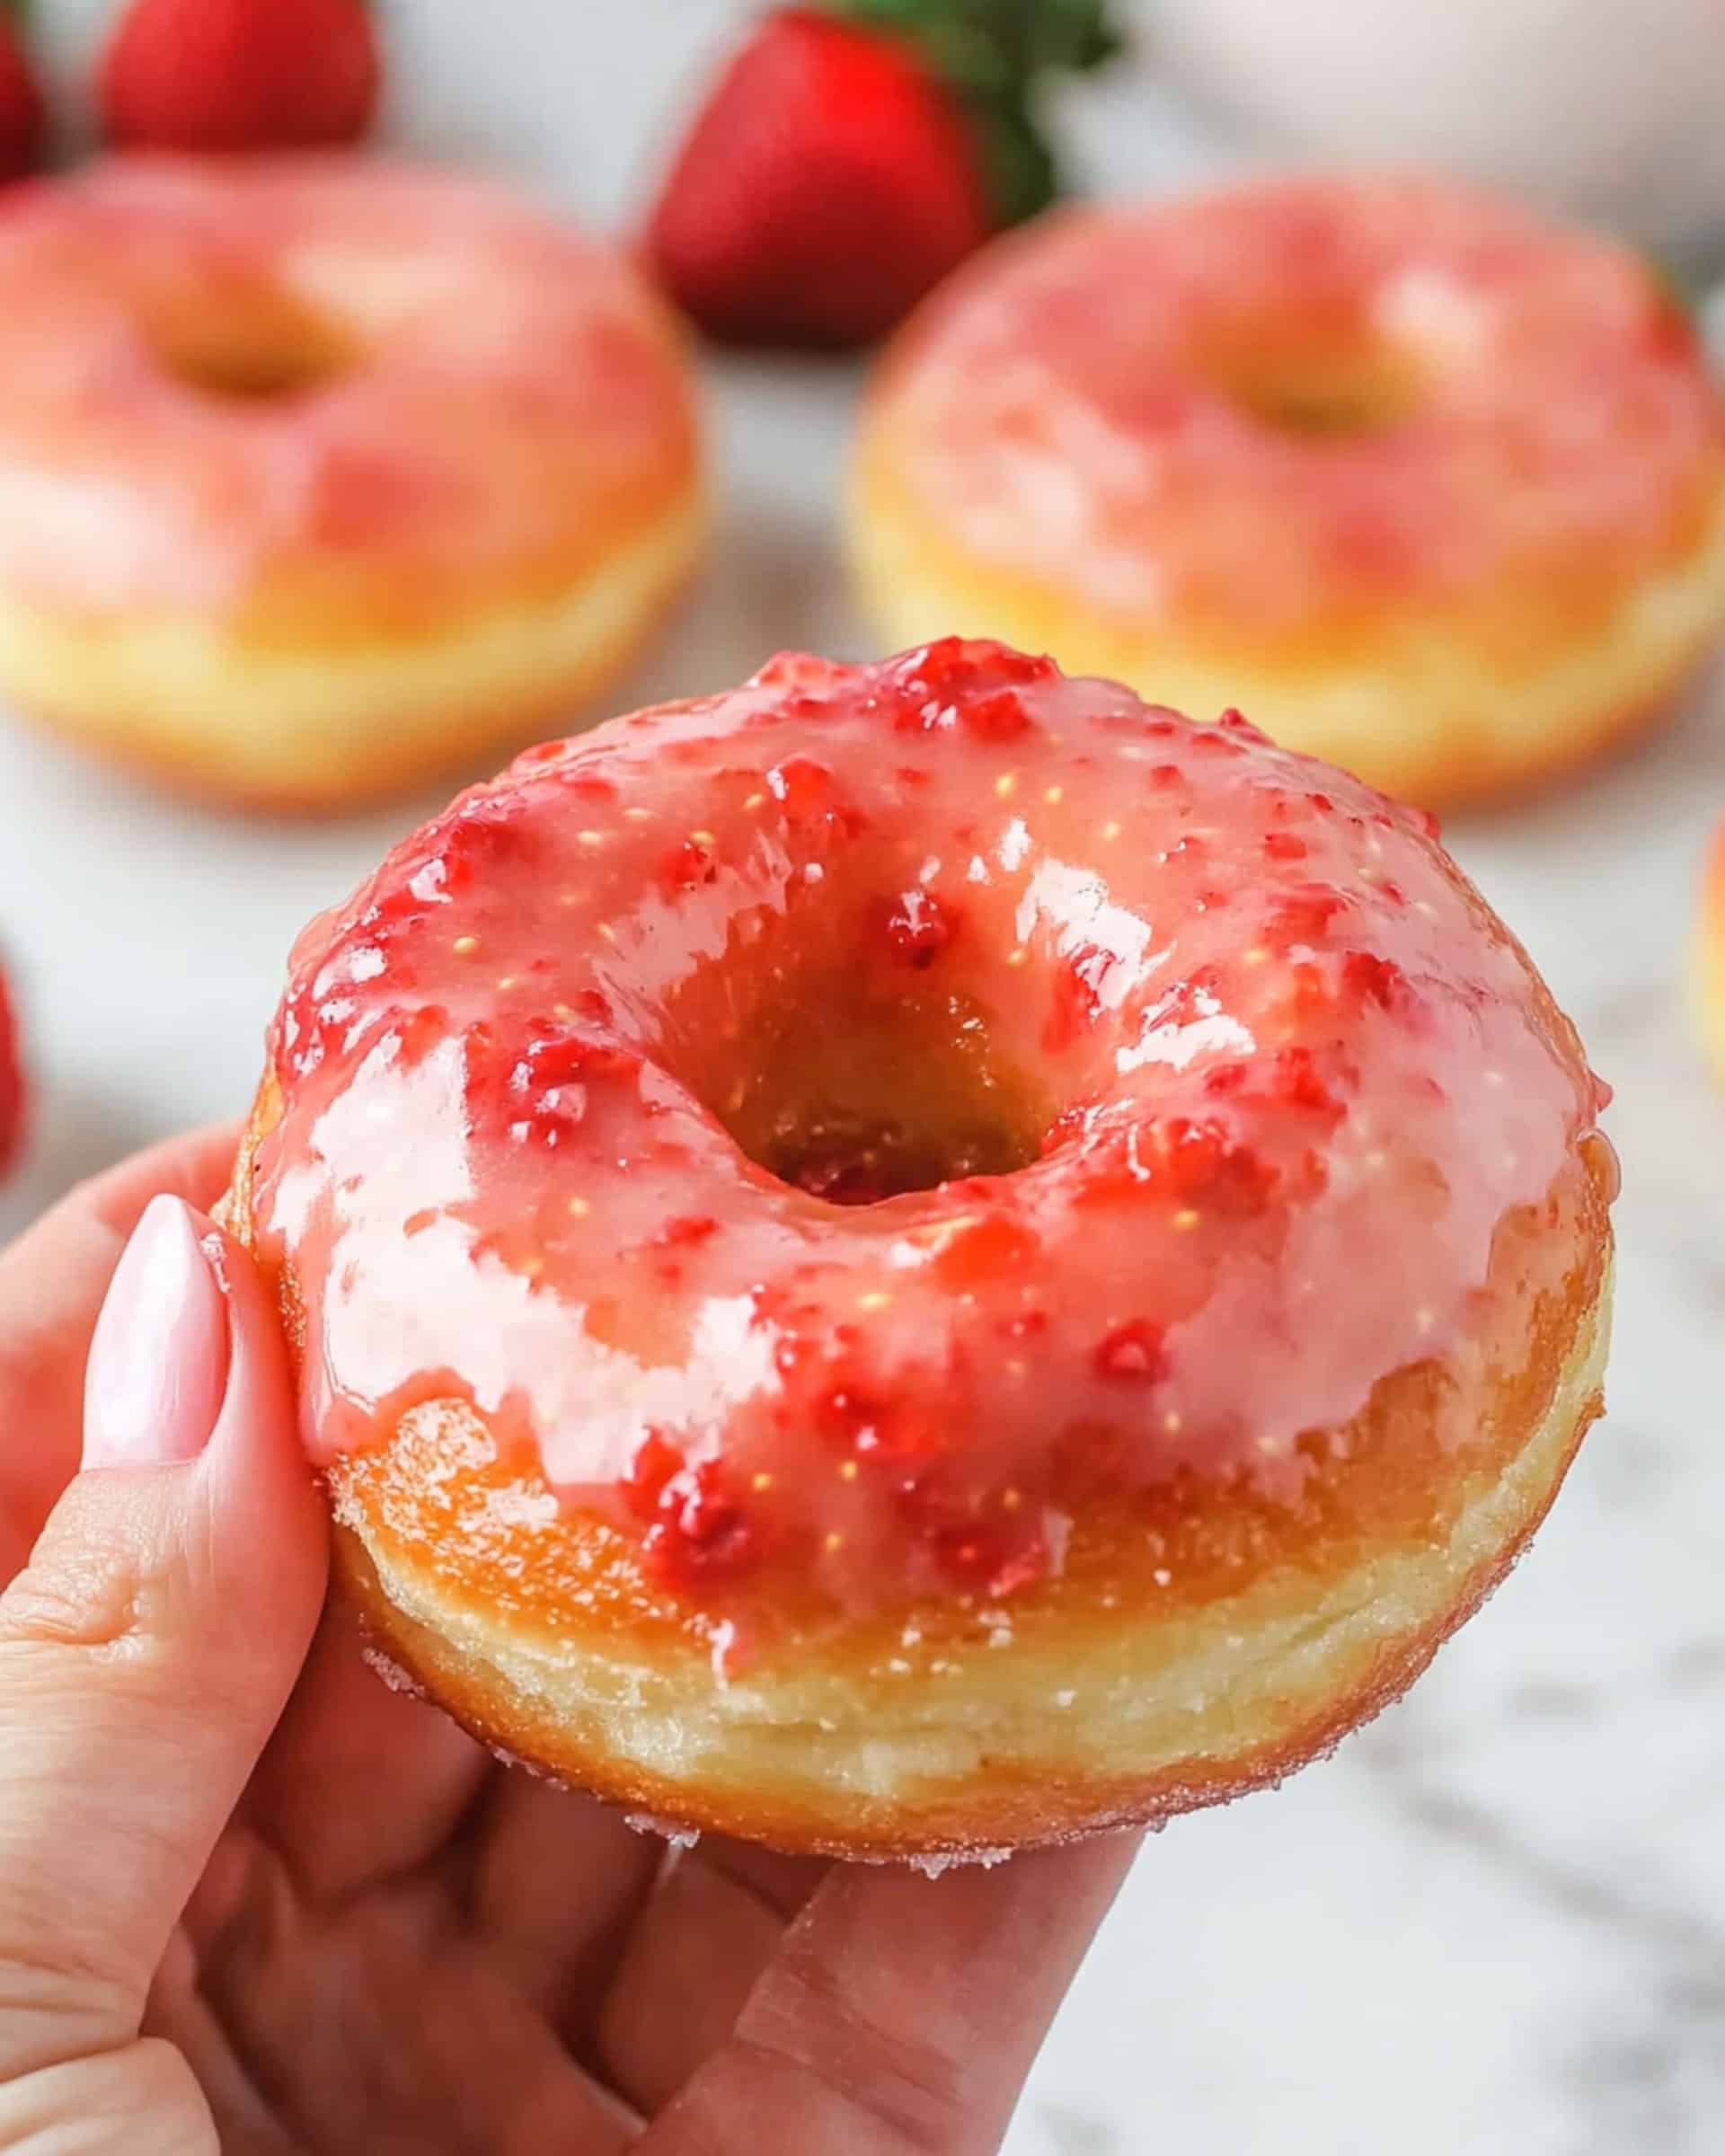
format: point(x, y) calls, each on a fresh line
point(918, 1259)
point(1434, 490)
point(317, 472)
point(1708, 968)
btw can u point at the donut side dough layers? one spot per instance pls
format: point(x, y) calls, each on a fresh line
point(304, 725)
point(1106, 1721)
point(1412, 705)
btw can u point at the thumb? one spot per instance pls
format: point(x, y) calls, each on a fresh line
point(148, 1647)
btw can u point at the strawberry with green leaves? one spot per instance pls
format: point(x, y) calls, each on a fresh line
point(848, 157)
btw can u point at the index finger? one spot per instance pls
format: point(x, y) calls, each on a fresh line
point(52, 1279)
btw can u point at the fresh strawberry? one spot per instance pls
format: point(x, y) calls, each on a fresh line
point(239, 75)
point(23, 117)
point(846, 160)
point(11, 1083)
point(827, 183)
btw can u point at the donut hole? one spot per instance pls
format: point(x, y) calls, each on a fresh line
point(262, 344)
point(1359, 385)
point(854, 1097)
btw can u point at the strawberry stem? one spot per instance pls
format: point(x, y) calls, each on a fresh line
point(992, 57)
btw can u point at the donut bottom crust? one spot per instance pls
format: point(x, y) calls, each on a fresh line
point(1108, 1722)
point(1409, 704)
point(304, 722)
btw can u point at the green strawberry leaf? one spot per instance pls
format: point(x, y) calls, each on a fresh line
point(1018, 167)
point(966, 60)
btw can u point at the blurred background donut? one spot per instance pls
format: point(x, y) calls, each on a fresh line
point(1433, 489)
point(319, 473)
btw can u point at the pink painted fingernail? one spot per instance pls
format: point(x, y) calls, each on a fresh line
point(158, 1363)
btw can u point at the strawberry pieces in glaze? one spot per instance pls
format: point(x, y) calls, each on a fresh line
point(919, 927)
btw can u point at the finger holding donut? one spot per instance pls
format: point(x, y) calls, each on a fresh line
point(144, 1651)
point(147, 1649)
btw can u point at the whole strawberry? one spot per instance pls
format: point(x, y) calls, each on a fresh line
point(11, 1083)
point(23, 117)
point(239, 75)
point(848, 157)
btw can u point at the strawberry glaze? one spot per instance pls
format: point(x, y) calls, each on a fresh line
point(1521, 415)
point(1187, 1081)
point(11, 1083)
point(492, 393)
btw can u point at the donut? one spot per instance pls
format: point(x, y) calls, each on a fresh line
point(1432, 488)
point(1709, 967)
point(919, 1259)
point(319, 473)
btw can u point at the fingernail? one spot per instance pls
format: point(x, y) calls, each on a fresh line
point(158, 1361)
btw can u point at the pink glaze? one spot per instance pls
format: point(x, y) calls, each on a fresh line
point(1291, 1076)
point(508, 397)
point(11, 1083)
point(1071, 410)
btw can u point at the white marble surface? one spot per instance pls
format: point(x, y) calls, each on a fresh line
point(1494, 1924)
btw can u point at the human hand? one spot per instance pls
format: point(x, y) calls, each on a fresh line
point(359, 1932)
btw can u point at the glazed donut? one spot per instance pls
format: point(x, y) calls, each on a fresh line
point(318, 473)
point(1433, 489)
point(918, 1259)
point(1708, 968)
